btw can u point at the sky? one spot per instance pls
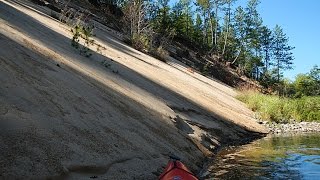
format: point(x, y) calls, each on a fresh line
point(300, 21)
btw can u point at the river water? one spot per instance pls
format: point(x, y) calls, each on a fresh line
point(273, 157)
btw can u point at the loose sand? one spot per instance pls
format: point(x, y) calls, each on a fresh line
point(63, 115)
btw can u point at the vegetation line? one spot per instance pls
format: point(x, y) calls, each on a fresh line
point(282, 109)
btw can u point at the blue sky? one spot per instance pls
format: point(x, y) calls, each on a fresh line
point(300, 20)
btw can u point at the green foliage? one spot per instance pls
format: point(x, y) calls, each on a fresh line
point(205, 69)
point(82, 32)
point(182, 18)
point(308, 108)
point(76, 31)
point(162, 20)
point(304, 85)
point(197, 35)
point(282, 51)
point(315, 73)
point(140, 42)
point(278, 109)
point(308, 84)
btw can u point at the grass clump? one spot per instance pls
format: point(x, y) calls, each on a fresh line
point(281, 109)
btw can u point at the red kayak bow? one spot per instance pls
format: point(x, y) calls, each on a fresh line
point(176, 170)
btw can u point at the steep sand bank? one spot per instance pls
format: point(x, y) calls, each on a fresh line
point(65, 115)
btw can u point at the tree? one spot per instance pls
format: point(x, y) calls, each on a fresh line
point(182, 18)
point(138, 26)
point(266, 45)
point(227, 23)
point(214, 23)
point(198, 29)
point(217, 4)
point(240, 31)
point(253, 34)
point(304, 85)
point(206, 7)
point(229, 43)
point(282, 52)
point(187, 15)
point(315, 76)
point(308, 84)
point(161, 18)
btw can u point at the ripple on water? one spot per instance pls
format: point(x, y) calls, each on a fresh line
point(274, 157)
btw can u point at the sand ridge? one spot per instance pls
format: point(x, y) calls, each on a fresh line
point(63, 115)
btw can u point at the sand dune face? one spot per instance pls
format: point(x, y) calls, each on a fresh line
point(67, 116)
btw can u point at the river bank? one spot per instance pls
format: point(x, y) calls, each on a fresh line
point(276, 128)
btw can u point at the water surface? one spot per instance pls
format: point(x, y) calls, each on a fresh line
point(273, 157)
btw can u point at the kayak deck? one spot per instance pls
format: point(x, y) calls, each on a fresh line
point(176, 170)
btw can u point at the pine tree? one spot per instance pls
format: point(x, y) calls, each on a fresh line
point(240, 32)
point(227, 23)
point(161, 20)
point(206, 7)
point(182, 18)
point(282, 52)
point(253, 28)
point(266, 45)
point(198, 29)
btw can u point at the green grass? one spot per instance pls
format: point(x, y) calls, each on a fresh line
point(281, 110)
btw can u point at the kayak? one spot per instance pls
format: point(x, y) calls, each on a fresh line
point(176, 170)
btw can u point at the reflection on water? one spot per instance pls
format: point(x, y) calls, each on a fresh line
point(274, 157)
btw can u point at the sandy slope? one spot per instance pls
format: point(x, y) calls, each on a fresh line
point(81, 119)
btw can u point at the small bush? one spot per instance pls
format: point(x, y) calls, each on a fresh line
point(140, 42)
point(76, 31)
point(282, 110)
point(85, 33)
point(206, 68)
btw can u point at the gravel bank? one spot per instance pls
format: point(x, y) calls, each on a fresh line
point(276, 128)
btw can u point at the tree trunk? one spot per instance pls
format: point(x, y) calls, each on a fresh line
point(278, 68)
point(212, 29)
point(205, 29)
point(187, 24)
point(266, 62)
point(235, 59)
point(226, 36)
point(216, 27)
point(139, 20)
